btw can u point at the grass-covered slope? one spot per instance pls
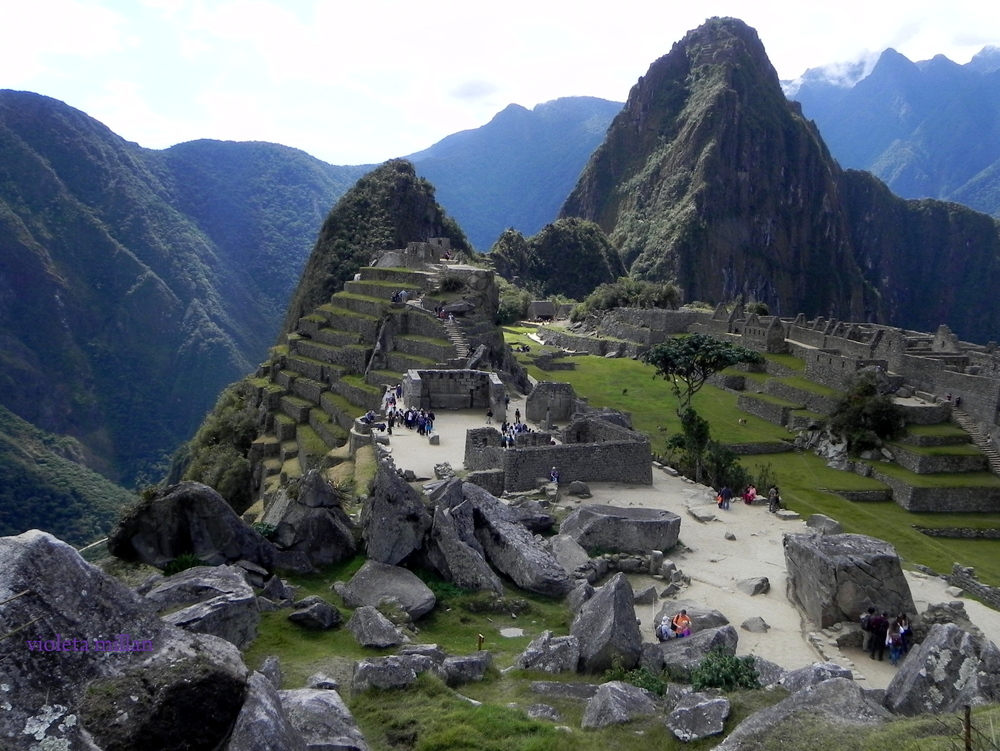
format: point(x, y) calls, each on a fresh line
point(44, 485)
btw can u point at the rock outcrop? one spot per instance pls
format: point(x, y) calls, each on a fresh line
point(322, 719)
point(377, 582)
point(187, 519)
point(837, 577)
point(557, 654)
point(697, 716)
point(393, 518)
point(616, 703)
point(262, 724)
point(372, 629)
point(313, 523)
point(680, 657)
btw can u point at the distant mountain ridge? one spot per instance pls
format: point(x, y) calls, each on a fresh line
point(711, 178)
point(929, 129)
point(135, 284)
point(516, 170)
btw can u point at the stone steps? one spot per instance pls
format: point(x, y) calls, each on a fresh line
point(987, 446)
point(457, 338)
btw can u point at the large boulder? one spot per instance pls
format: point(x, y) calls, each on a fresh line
point(209, 600)
point(616, 703)
point(315, 613)
point(262, 724)
point(162, 688)
point(512, 549)
point(372, 629)
point(829, 709)
point(460, 669)
point(395, 671)
point(312, 522)
point(393, 518)
point(837, 577)
point(607, 629)
point(680, 657)
point(558, 654)
point(455, 560)
point(949, 669)
point(184, 519)
point(322, 719)
point(377, 582)
point(697, 716)
point(572, 557)
point(625, 530)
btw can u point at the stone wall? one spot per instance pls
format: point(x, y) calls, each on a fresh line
point(941, 500)
point(483, 449)
point(591, 345)
point(922, 464)
point(619, 461)
point(812, 401)
point(453, 389)
point(649, 326)
point(960, 533)
point(965, 578)
point(558, 397)
point(773, 413)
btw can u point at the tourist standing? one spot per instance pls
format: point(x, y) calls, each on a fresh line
point(773, 500)
point(866, 629)
point(727, 497)
point(880, 630)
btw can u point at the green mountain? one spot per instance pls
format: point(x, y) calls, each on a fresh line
point(711, 178)
point(44, 485)
point(135, 284)
point(516, 170)
point(929, 129)
point(386, 209)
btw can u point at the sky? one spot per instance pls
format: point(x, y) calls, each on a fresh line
point(362, 81)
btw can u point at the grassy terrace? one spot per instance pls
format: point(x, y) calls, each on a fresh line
point(943, 429)
point(800, 382)
point(807, 484)
point(951, 449)
point(789, 361)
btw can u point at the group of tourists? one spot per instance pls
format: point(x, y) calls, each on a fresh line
point(725, 496)
point(401, 296)
point(881, 632)
point(674, 628)
point(509, 431)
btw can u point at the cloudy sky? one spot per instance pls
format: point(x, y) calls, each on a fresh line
point(361, 81)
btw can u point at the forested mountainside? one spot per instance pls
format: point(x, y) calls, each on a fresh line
point(135, 284)
point(516, 170)
point(929, 129)
point(711, 178)
point(386, 209)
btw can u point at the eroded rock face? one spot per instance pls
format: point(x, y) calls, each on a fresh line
point(372, 629)
point(624, 530)
point(837, 577)
point(457, 561)
point(262, 724)
point(209, 600)
point(376, 582)
point(393, 519)
point(810, 675)
point(607, 629)
point(681, 656)
point(60, 693)
point(838, 702)
point(188, 518)
point(949, 669)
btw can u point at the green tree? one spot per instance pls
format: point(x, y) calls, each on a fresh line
point(689, 361)
point(865, 417)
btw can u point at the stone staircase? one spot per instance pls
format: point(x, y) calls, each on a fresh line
point(328, 373)
point(987, 446)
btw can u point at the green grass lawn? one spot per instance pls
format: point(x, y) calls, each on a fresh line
point(941, 429)
point(800, 382)
point(807, 484)
point(951, 449)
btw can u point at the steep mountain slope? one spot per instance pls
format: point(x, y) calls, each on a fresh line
point(710, 178)
point(516, 170)
point(386, 209)
point(930, 129)
point(121, 317)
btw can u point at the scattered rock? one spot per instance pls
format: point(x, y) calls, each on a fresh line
point(315, 613)
point(544, 712)
point(703, 514)
point(443, 471)
point(954, 592)
point(276, 590)
point(456, 671)
point(646, 596)
point(385, 673)
point(730, 536)
point(757, 585)
point(209, 600)
point(550, 654)
point(312, 522)
point(323, 681)
point(755, 625)
point(616, 703)
point(579, 488)
point(376, 582)
point(372, 629)
point(262, 724)
point(697, 716)
point(810, 675)
point(824, 524)
point(322, 719)
point(271, 669)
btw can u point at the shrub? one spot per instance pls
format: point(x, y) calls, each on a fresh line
point(865, 417)
point(266, 530)
point(720, 669)
point(182, 563)
point(642, 677)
